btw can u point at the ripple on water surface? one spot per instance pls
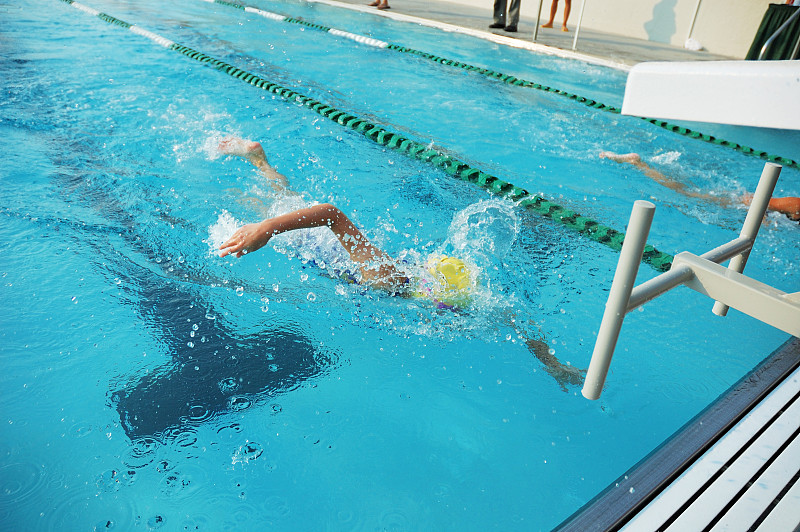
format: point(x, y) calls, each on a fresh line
point(19, 482)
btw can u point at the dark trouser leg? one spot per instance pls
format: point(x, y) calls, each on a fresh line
point(500, 11)
point(513, 12)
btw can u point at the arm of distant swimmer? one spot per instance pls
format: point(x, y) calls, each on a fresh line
point(376, 267)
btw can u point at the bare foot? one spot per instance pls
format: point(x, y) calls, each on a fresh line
point(384, 5)
point(632, 158)
point(547, 25)
point(239, 147)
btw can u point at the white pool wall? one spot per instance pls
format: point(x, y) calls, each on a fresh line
point(723, 27)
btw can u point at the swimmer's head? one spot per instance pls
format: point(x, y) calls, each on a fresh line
point(452, 283)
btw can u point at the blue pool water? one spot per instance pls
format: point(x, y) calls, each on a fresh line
point(148, 384)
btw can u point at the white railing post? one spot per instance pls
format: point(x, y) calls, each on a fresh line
point(627, 267)
point(752, 222)
point(578, 27)
point(538, 20)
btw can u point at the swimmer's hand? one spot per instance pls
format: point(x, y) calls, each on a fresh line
point(246, 239)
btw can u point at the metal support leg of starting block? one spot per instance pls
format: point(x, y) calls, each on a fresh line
point(703, 274)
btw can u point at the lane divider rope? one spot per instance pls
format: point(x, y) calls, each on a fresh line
point(512, 80)
point(589, 228)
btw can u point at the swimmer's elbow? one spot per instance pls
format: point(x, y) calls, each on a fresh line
point(329, 207)
point(331, 213)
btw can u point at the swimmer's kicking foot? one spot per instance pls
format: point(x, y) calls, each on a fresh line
point(253, 152)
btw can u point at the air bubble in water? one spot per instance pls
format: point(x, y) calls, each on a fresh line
point(239, 291)
point(311, 297)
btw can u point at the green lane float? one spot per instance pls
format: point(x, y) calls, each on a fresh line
point(512, 80)
point(450, 165)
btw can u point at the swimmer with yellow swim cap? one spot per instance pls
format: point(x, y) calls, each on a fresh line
point(446, 281)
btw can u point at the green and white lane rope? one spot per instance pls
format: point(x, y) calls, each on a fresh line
point(512, 80)
point(585, 226)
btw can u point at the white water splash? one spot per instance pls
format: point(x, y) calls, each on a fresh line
point(669, 157)
point(484, 232)
point(221, 231)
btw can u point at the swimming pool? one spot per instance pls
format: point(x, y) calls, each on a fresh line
point(148, 384)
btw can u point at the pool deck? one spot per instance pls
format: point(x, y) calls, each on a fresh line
point(736, 465)
point(593, 46)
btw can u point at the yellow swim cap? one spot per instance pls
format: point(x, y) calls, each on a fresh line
point(453, 281)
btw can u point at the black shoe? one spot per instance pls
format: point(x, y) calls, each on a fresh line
point(496, 25)
point(510, 29)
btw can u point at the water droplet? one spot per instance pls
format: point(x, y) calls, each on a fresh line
point(239, 291)
point(155, 522)
point(311, 297)
point(304, 277)
point(228, 385)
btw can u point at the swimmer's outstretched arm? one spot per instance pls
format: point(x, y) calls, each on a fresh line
point(790, 206)
point(635, 160)
point(253, 152)
point(562, 373)
point(377, 268)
